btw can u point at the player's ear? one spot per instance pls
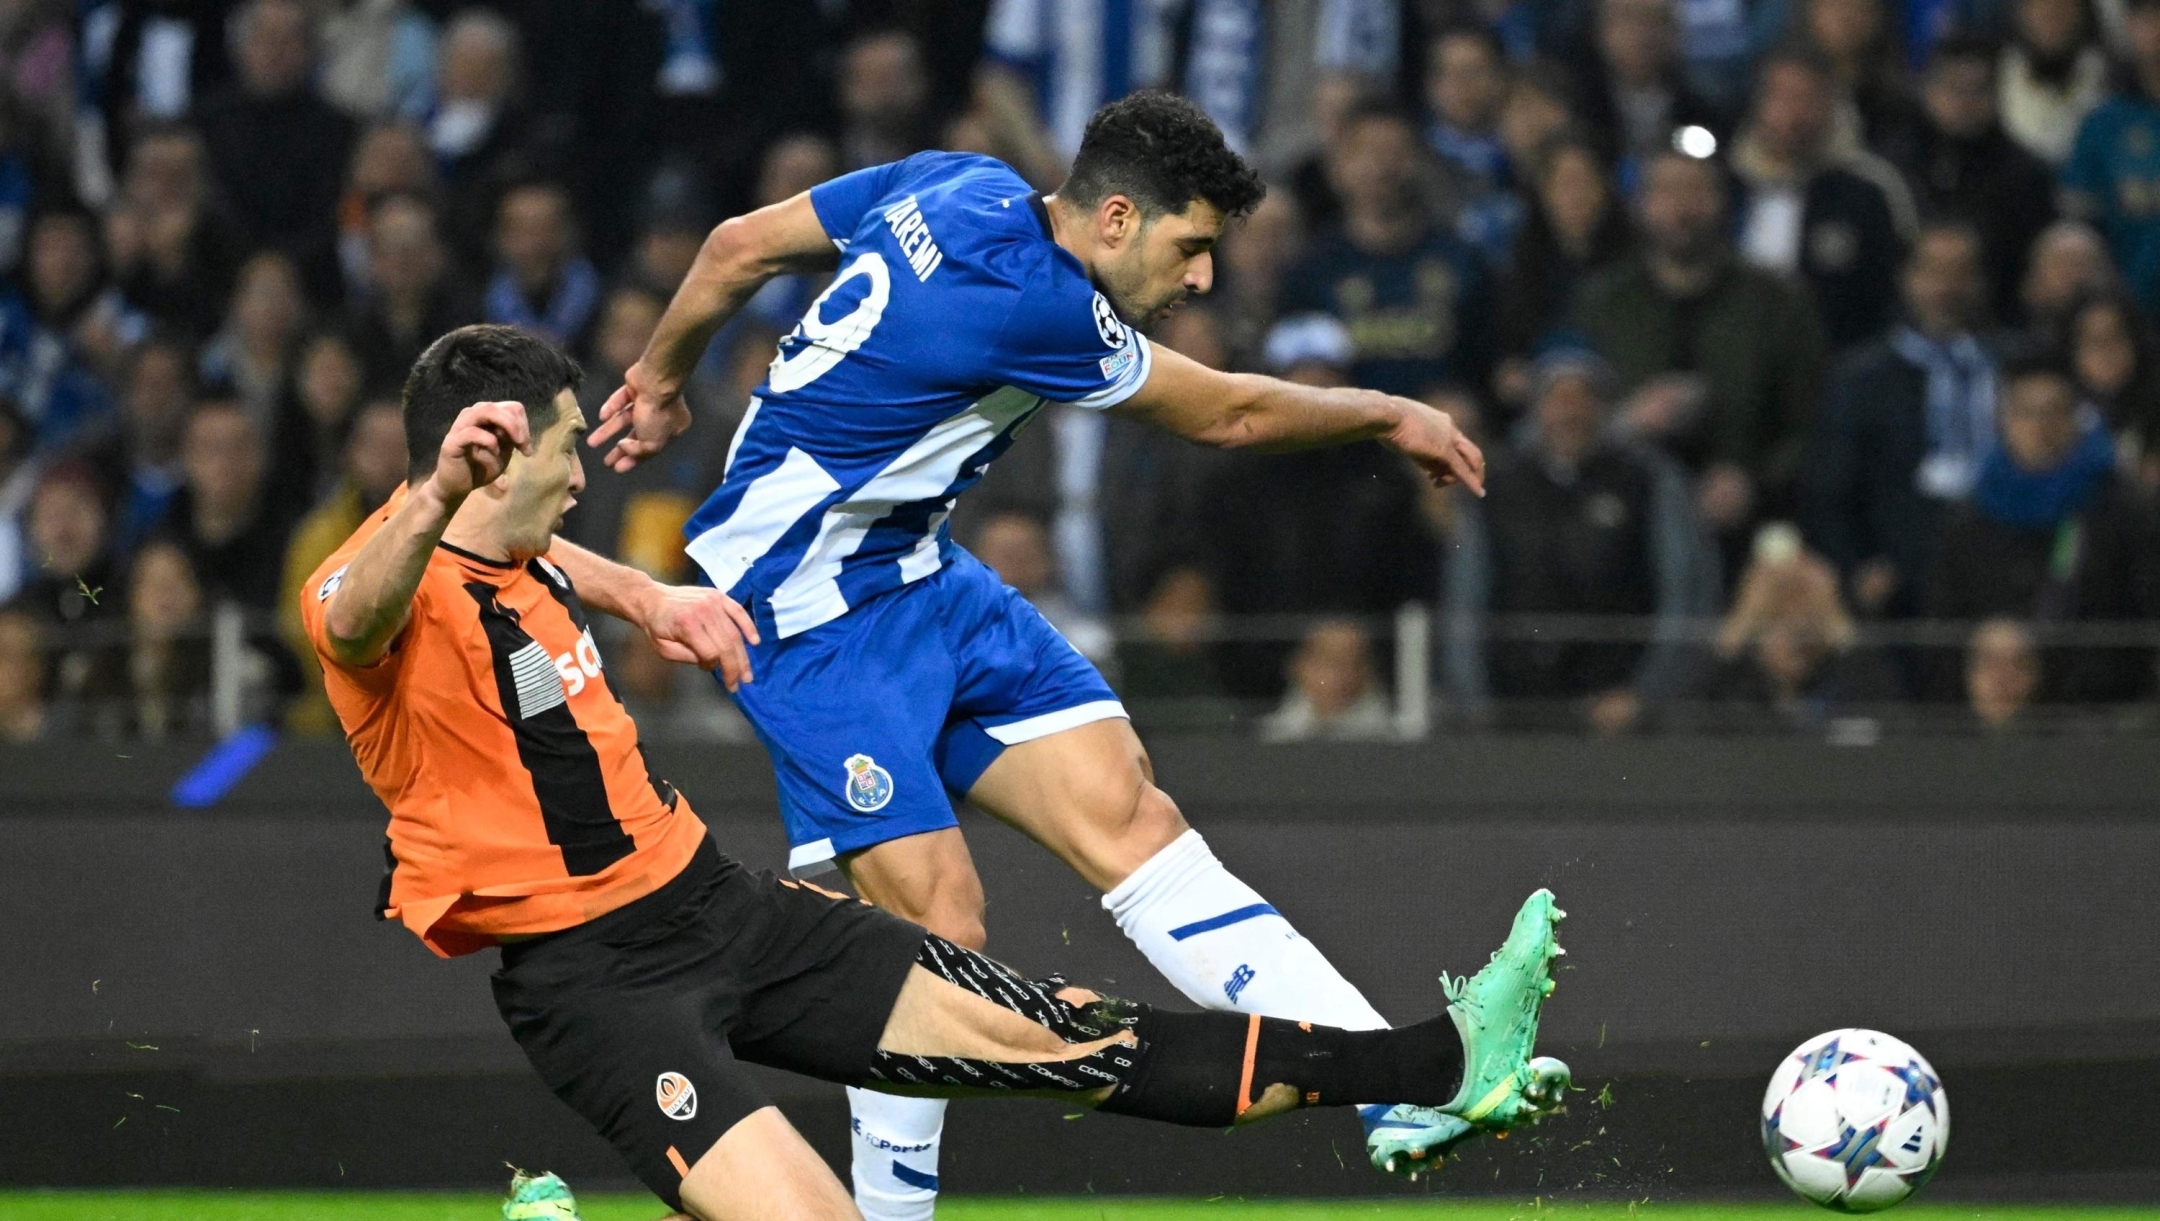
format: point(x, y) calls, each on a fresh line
point(1117, 221)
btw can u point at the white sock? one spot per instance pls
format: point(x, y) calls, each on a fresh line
point(896, 1154)
point(1225, 947)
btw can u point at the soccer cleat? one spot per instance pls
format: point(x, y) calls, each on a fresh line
point(539, 1197)
point(1410, 1140)
point(1496, 1012)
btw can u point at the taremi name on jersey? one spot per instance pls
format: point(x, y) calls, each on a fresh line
point(896, 666)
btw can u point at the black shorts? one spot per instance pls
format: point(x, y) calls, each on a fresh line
point(638, 1019)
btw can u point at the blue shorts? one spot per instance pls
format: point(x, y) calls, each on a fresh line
point(871, 718)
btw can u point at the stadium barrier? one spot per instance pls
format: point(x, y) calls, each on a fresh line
point(200, 995)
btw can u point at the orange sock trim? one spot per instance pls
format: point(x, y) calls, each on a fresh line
point(1252, 1048)
point(681, 1167)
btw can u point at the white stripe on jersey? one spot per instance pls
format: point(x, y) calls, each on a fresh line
point(773, 502)
point(539, 686)
point(811, 594)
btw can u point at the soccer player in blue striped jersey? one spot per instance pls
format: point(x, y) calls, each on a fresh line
point(891, 667)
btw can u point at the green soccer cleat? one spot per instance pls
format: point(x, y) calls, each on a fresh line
point(1411, 1140)
point(539, 1197)
point(1496, 1012)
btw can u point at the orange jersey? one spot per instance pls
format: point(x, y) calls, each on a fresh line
point(520, 800)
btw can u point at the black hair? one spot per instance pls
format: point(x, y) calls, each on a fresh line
point(480, 364)
point(1162, 152)
point(1963, 48)
point(2041, 360)
point(1477, 32)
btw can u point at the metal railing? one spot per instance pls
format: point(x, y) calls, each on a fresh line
point(1405, 664)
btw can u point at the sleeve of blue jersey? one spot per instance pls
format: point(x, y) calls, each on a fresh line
point(841, 203)
point(1064, 342)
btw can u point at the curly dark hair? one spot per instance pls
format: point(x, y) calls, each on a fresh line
point(1162, 152)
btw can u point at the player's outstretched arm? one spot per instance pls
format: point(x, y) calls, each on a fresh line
point(1249, 411)
point(374, 598)
point(738, 257)
point(693, 625)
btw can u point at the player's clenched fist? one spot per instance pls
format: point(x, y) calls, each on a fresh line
point(1427, 436)
point(477, 448)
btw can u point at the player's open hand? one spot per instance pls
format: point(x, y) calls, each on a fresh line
point(1428, 436)
point(641, 417)
point(477, 448)
point(701, 627)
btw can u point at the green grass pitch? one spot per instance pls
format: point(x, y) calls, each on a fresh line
point(386, 1206)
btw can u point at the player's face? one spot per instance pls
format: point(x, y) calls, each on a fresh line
point(1170, 259)
point(541, 486)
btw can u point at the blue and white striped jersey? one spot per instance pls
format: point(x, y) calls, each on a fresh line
point(953, 317)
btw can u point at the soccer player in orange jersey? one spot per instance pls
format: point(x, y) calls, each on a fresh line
point(640, 965)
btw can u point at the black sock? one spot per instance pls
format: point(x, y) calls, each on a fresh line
point(1204, 1069)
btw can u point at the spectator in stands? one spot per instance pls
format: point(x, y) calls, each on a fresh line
point(168, 649)
point(1251, 263)
point(1860, 43)
point(42, 368)
point(1633, 94)
point(2002, 674)
point(414, 295)
point(173, 254)
point(328, 384)
point(2113, 172)
point(1334, 692)
point(2054, 73)
point(884, 99)
point(1016, 546)
point(1578, 519)
point(23, 673)
point(1071, 57)
point(379, 59)
point(1333, 531)
point(18, 478)
point(388, 159)
point(252, 355)
point(637, 517)
point(1905, 426)
point(1466, 87)
point(1788, 655)
point(38, 82)
point(277, 148)
point(1412, 295)
point(2117, 361)
point(232, 531)
point(155, 401)
point(1813, 206)
point(481, 128)
point(371, 467)
point(2068, 260)
point(542, 282)
point(1170, 673)
point(2051, 537)
point(1962, 165)
point(1575, 226)
point(69, 533)
point(1720, 361)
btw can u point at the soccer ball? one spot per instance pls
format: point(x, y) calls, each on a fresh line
point(1855, 1120)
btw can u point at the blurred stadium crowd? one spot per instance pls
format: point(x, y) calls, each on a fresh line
point(1809, 340)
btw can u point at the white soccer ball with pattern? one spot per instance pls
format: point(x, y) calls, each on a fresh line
point(1855, 1120)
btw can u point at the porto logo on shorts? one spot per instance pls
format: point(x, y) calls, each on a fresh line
point(1108, 324)
point(869, 786)
point(676, 1096)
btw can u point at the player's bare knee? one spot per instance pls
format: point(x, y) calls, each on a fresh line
point(963, 927)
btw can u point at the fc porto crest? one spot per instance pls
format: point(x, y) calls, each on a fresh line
point(869, 786)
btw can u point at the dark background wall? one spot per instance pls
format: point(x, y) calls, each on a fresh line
point(212, 982)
